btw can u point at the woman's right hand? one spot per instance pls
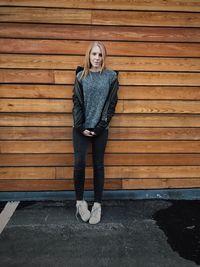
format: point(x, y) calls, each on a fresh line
point(87, 133)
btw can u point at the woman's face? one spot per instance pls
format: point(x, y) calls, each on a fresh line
point(96, 57)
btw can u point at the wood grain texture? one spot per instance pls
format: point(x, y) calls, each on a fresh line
point(110, 172)
point(119, 120)
point(32, 105)
point(134, 18)
point(136, 172)
point(160, 183)
point(154, 133)
point(97, 17)
point(132, 159)
point(35, 133)
point(27, 173)
point(32, 46)
point(158, 78)
point(112, 147)
point(49, 185)
point(153, 120)
point(89, 32)
point(123, 106)
point(30, 119)
point(115, 133)
point(45, 15)
point(35, 185)
point(153, 147)
point(141, 78)
point(163, 106)
point(154, 137)
point(125, 78)
point(26, 76)
point(158, 92)
point(40, 91)
point(170, 5)
point(116, 63)
point(30, 160)
point(43, 91)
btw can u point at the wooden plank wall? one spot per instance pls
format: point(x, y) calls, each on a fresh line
point(155, 136)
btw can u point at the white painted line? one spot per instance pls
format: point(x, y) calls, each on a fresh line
point(7, 213)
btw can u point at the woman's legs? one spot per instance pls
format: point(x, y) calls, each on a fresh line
point(80, 143)
point(98, 147)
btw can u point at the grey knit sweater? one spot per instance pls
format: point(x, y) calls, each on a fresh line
point(95, 90)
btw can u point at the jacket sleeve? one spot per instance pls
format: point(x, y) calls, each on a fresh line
point(109, 108)
point(77, 111)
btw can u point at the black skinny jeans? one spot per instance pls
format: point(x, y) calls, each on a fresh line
point(80, 143)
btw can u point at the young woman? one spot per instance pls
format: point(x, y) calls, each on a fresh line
point(94, 98)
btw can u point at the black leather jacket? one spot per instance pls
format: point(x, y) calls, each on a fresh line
point(107, 112)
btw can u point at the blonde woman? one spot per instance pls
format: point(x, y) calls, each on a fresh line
point(94, 98)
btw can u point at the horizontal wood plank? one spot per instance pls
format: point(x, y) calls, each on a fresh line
point(28, 119)
point(89, 32)
point(134, 18)
point(43, 91)
point(27, 173)
point(160, 183)
point(156, 78)
point(110, 172)
point(136, 172)
point(9, 45)
point(154, 133)
point(125, 78)
point(123, 106)
point(158, 92)
point(142, 120)
point(153, 147)
point(48, 185)
point(97, 17)
point(162, 106)
point(115, 133)
point(139, 78)
point(32, 105)
point(154, 64)
point(112, 147)
point(134, 159)
point(119, 120)
point(35, 133)
point(14, 160)
point(27, 76)
point(170, 5)
point(36, 91)
point(117, 63)
point(45, 15)
point(34, 185)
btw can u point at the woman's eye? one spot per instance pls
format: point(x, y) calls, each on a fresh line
point(94, 54)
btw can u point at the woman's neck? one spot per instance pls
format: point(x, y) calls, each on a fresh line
point(95, 69)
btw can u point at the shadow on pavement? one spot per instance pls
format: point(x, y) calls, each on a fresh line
point(131, 234)
point(181, 224)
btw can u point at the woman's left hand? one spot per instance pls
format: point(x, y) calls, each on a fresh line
point(93, 133)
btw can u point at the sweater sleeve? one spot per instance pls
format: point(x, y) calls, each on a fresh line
point(109, 107)
point(77, 111)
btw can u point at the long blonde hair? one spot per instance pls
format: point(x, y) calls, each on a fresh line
point(87, 64)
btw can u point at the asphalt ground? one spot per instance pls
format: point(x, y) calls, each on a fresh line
point(135, 233)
